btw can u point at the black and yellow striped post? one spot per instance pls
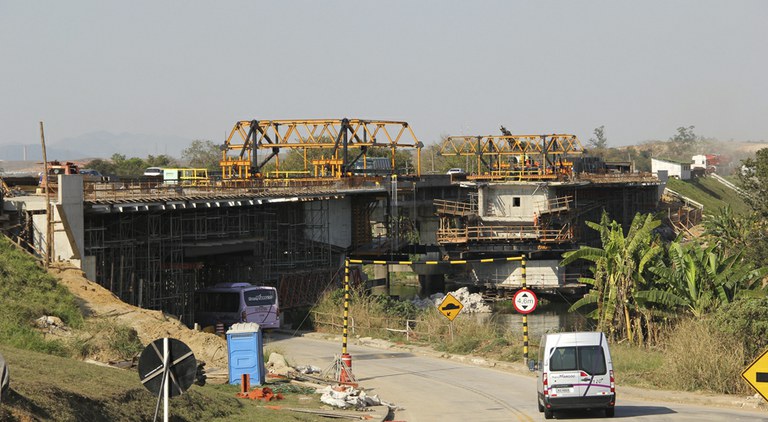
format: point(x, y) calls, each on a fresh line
point(345, 357)
point(344, 332)
point(348, 261)
point(525, 316)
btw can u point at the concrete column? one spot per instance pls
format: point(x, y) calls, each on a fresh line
point(431, 284)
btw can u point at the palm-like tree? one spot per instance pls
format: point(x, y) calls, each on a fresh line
point(728, 229)
point(703, 278)
point(618, 269)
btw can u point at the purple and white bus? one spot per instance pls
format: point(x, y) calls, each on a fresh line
point(230, 303)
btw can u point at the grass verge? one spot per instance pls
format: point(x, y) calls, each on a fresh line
point(28, 292)
point(45, 387)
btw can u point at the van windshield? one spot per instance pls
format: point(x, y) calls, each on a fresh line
point(589, 359)
point(259, 297)
point(217, 301)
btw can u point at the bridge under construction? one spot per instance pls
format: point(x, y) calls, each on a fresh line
point(153, 243)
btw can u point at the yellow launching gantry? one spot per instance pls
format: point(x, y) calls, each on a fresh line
point(346, 141)
point(517, 156)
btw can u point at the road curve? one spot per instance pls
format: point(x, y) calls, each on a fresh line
point(431, 389)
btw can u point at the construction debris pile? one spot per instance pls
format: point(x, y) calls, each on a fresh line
point(264, 394)
point(473, 302)
point(347, 396)
point(331, 392)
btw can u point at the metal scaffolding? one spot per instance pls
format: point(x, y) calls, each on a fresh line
point(157, 259)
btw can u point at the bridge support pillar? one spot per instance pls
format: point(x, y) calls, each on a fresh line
point(431, 283)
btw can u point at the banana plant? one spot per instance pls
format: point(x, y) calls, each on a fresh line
point(701, 278)
point(617, 274)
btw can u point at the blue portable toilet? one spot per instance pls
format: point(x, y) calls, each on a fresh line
point(244, 344)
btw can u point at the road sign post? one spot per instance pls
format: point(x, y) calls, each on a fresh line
point(167, 373)
point(525, 302)
point(450, 307)
point(756, 374)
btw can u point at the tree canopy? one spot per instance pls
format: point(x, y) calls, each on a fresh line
point(121, 165)
point(202, 154)
point(599, 141)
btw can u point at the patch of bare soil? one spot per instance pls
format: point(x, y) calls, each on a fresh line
point(96, 301)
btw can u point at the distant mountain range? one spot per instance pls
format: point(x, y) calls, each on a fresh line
point(99, 145)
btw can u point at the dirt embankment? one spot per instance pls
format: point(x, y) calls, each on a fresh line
point(96, 301)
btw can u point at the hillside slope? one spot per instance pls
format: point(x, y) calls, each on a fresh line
point(709, 192)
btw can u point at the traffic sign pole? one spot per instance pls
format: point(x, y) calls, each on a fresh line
point(346, 360)
point(166, 373)
point(167, 368)
point(525, 316)
point(346, 308)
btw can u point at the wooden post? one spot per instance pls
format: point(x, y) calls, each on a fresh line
point(48, 211)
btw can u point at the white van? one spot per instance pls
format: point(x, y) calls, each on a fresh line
point(575, 372)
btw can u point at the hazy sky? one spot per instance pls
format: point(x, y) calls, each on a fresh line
point(194, 68)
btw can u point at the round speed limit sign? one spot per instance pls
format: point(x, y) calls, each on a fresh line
point(525, 301)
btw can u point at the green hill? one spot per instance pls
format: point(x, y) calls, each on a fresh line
point(709, 192)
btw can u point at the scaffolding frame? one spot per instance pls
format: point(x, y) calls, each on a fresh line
point(140, 256)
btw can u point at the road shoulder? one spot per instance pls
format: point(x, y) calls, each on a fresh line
point(753, 402)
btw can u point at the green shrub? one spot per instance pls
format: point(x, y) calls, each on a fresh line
point(745, 321)
point(109, 336)
point(125, 341)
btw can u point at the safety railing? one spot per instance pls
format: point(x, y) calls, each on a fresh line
point(147, 191)
point(332, 320)
point(443, 206)
point(414, 330)
point(562, 203)
point(512, 233)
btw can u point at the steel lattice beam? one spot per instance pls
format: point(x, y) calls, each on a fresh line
point(555, 144)
point(337, 135)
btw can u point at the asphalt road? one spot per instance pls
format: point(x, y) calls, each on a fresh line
point(435, 389)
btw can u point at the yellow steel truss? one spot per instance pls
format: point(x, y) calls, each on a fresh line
point(555, 144)
point(539, 156)
point(336, 135)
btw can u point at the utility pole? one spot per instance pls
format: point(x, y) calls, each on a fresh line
point(48, 211)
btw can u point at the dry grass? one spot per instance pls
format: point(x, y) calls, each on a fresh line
point(638, 365)
point(700, 358)
point(370, 316)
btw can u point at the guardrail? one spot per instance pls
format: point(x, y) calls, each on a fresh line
point(685, 199)
point(411, 329)
point(727, 183)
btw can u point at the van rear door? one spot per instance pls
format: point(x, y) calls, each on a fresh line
point(564, 375)
point(579, 371)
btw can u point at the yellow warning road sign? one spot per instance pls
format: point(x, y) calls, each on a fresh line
point(756, 374)
point(450, 307)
